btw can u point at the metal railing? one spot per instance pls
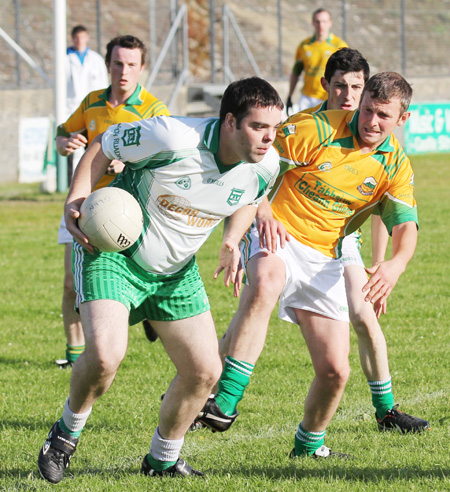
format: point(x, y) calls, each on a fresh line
point(22, 53)
point(402, 35)
point(229, 20)
point(172, 41)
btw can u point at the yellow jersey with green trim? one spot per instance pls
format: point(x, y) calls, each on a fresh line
point(313, 55)
point(328, 188)
point(95, 115)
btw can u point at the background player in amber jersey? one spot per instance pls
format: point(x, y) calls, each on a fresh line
point(311, 58)
point(317, 203)
point(123, 101)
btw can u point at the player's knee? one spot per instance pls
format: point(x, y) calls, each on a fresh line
point(204, 377)
point(364, 325)
point(334, 375)
point(68, 285)
point(104, 363)
point(267, 283)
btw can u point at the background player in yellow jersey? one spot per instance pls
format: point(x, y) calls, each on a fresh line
point(311, 58)
point(344, 165)
point(123, 101)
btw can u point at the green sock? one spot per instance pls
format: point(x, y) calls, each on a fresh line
point(157, 464)
point(306, 443)
point(382, 397)
point(73, 352)
point(233, 381)
point(64, 428)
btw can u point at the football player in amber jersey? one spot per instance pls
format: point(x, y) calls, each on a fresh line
point(123, 101)
point(339, 167)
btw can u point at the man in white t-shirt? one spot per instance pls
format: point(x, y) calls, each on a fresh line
point(86, 70)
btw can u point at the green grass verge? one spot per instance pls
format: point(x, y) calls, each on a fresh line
point(253, 455)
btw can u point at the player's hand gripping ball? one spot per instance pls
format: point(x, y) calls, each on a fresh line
point(111, 218)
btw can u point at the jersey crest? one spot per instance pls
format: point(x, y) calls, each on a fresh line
point(368, 186)
point(325, 166)
point(235, 196)
point(289, 130)
point(131, 136)
point(184, 183)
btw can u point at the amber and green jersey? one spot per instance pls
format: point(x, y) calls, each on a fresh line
point(95, 115)
point(312, 57)
point(328, 188)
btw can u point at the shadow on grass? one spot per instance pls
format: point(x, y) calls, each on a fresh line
point(28, 363)
point(33, 473)
point(350, 475)
point(43, 424)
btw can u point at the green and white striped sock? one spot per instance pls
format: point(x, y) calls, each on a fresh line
point(382, 397)
point(306, 442)
point(233, 381)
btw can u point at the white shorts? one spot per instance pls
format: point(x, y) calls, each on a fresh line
point(306, 102)
point(64, 236)
point(314, 282)
point(351, 250)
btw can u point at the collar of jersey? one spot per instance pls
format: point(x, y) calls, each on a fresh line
point(211, 140)
point(352, 122)
point(133, 100)
point(313, 39)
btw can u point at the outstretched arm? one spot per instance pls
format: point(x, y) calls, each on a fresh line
point(380, 239)
point(234, 228)
point(269, 228)
point(385, 275)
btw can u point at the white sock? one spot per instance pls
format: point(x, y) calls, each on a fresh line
point(74, 421)
point(165, 449)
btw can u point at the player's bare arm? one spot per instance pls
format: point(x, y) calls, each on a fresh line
point(269, 228)
point(233, 230)
point(90, 169)
point(385, 275)
point(380, 239)
point(68, 145)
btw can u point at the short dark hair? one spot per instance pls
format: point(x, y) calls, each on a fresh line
point(386, 86)
point(78, 29)
point(126, 41)
point(242, 95)
point(347, 60)
point(319, 11)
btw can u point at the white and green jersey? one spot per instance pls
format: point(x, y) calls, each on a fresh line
point(172, 168)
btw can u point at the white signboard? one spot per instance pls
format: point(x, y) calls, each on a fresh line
point(33, 140)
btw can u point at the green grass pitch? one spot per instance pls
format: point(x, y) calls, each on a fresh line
point(253, 455)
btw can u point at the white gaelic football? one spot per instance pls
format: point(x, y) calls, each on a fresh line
point(111, 218)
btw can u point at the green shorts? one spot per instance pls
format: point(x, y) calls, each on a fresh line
point(145, 295)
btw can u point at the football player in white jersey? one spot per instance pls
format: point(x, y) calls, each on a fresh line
point(187, 174)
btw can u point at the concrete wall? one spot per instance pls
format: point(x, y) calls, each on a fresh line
point(17, 104)
point(14, 106)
